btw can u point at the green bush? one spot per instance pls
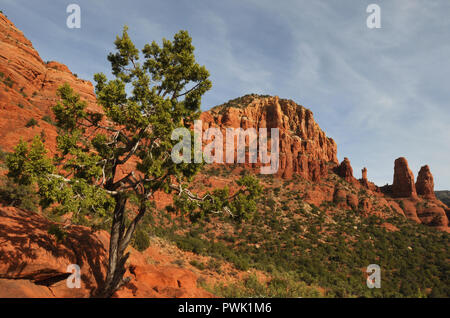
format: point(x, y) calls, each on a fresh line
point(9, 82)
point(57, 232)
point(20, 196)
point(141, 240)
point(48, 119)
point(197, 264)
point(31, 123)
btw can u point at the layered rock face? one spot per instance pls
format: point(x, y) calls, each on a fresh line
point(425, 183)
point(403, 185)
point(28, 88)
point(304, 147)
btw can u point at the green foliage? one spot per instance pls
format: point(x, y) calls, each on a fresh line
point(57, 232)
point(141, 240)
point(8, 82)
point(278, 287)
point(197, 264)
point(240, 205)
point(22, 92)
point(48, 119)
point(31, 123)
point(17, 195)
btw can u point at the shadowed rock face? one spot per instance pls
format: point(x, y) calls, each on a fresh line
point(304, 147)
point(403, 185)
point(34, 264)
point(425, 183)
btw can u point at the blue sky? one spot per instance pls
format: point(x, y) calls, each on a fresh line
point(380, 93)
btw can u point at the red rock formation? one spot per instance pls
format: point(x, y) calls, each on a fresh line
point(425, 183)
point(345, 170)
point(34, 264)
point(432, 215)
point(403, 185)
point(304, 147)
point(28, 88)
point(366, 183)
point(364, 176)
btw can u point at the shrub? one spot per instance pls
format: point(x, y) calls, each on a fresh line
point(141, 240)
point(48, 119)
point(9, 82)
point(19, 196)
point(57, 232)
point(197, 264)
point(22, 92)
point(31, 123)
point(214, 265)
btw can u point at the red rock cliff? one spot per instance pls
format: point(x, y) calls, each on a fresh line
point(28, 88)
point(304, 147)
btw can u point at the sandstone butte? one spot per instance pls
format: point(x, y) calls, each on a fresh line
point(34, 264)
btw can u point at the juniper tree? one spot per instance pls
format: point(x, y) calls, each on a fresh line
point(142, 105)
